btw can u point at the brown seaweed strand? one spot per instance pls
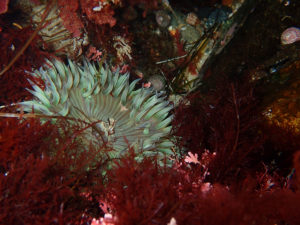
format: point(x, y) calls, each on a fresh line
point(237, 117)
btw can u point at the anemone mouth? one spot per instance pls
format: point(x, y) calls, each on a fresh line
point(122, 116)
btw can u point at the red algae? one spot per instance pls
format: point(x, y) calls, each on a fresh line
point(234, 167)
point(38, 184)
point(4, 6)
point(13, 80)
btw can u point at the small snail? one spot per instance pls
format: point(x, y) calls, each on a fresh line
point(157, 82)
point(290, 35)
point(163, 19)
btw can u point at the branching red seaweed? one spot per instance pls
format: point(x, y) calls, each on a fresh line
point(234, 168)
point(69, 15)
point(38, 184)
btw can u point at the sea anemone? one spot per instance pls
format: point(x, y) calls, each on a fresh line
point(62, 37)
point(122, 115)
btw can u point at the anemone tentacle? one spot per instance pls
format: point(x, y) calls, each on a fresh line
point(93, 93)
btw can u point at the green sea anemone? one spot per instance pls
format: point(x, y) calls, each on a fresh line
point(122, 115)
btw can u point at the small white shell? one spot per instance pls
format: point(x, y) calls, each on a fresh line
point(97, 8)
point(290, 35)
point(192, 19)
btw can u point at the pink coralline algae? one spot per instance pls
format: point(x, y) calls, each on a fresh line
point(3, 6)
point(290, 35)
point(100, 12)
